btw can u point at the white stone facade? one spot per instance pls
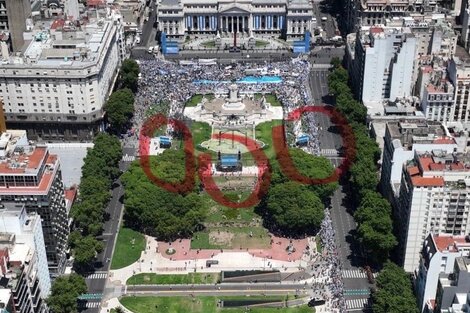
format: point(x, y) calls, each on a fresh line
point(291, 18)
point(63, 77)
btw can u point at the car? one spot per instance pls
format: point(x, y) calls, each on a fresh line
point(234, 49)
point(150, 49)
point(137, 40)
point(324, 19)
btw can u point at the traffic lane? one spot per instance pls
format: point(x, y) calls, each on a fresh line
point(95, 285)
point(345, 228)
point(148, 26)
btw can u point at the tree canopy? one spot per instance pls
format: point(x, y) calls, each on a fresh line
point(394, 291)
point(156, 211)
point(309, 166)
point(293, 209)
point(129, 75)
point(120, 109)
point(64, 293)
point(100, 168)
point(373, 215)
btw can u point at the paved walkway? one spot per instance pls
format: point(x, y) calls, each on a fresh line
point(155, 260)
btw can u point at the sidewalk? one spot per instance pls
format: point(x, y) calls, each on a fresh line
point(186, 261)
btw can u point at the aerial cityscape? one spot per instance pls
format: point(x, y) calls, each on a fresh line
point(234, 156)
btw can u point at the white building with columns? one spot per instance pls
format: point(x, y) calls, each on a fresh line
point(289, 18)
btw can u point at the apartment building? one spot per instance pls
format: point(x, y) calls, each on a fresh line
point(401, 140)
point(437, 257)
point(56, 88)
point(30, 175)
point(433, 199)
point(382, 61)
point(453, 294)
point(20, 286)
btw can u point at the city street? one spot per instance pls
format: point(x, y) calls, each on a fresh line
point(345, 227)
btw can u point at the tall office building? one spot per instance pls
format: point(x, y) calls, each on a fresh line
point(30, 175)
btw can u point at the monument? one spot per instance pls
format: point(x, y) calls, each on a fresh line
point(234, 102)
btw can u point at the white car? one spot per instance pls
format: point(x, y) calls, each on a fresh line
point(324, 19)
point(137, 40)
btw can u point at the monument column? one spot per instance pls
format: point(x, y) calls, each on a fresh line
point(243, 24)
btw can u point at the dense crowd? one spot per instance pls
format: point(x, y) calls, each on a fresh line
point(334, 284)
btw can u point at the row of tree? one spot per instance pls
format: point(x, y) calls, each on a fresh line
point(100, 168)
point(120, 105)
point(394, 292)
point(373, 214)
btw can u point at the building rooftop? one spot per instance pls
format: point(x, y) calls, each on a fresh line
point(450, 243)
point(63, 43)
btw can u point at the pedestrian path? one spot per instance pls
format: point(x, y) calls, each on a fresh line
point(356, 304)
point(356, 292)
point(128, 158)
point(329, 152)
point(355, 274)
point(89, 305)
point(97, 275)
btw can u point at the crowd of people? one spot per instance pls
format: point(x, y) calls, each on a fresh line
point(333, 294)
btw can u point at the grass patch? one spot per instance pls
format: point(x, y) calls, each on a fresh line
point(194, 101)
point(149, 304)
point(273, 100)
point(172, 279)
point(264, 133)
point(208, 44)
point(261, 43)
point(129, 247)
point(201, 132)
point(231, 238)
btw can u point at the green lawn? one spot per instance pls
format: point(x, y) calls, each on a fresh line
point(129, 247)
point(231, 238)
point(148, 304)
point(201, 132)
point(261, 43)
point(272, 99)
point(173, 279)
point(208, 44)
point(194, 101)
point(264, 134)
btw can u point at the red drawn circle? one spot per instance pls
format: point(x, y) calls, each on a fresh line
point(263, 179)
point(147, 131)
point(282, 150)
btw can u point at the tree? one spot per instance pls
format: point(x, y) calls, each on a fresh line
point(336, 62)
point(394, 291)
point(375, 226)
point(129, 75)
point(309, 166)
point(64, 293)
point(293, 209)
point(158, 212)
point(120, 109)
point(86, 250)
